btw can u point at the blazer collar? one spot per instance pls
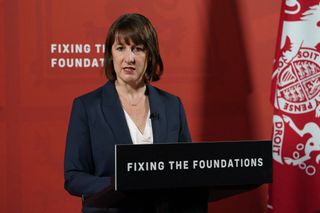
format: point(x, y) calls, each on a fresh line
point(114, 114)
point(115, 117)
point(158, 115)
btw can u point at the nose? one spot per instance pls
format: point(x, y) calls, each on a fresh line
point(129, 56)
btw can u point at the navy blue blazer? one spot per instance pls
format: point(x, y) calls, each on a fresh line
point(98, 122)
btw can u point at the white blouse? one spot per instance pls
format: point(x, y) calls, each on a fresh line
point(136, 136)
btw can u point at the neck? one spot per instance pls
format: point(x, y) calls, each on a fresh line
point(130, 90)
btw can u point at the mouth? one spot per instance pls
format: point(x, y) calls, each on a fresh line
point(129, 69)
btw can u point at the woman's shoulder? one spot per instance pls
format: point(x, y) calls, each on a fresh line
point(167, 96)
point(91, 95)
point(97, 96)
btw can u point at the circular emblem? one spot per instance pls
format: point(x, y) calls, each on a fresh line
point(298, 83)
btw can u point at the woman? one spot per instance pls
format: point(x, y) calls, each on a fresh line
point(126, 110)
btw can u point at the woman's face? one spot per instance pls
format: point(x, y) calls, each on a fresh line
point(129, 61)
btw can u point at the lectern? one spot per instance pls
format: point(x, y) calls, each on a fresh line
point(172, 177)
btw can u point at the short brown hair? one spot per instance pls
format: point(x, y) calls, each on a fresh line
point(139, 30)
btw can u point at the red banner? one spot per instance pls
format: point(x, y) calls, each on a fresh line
point(296, 100)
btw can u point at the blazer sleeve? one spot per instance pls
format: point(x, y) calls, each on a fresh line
point(78, 163)
point(184, 133)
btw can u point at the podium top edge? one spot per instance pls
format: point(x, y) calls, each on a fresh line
point(202, 142)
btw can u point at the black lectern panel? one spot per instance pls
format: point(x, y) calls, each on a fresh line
point(189, 165)
point(180, 176)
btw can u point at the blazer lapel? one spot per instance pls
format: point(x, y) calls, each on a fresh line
point(157, 115)
point(114, 114)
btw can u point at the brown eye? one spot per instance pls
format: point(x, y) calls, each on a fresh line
point(138, 49)
point(119, 48)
